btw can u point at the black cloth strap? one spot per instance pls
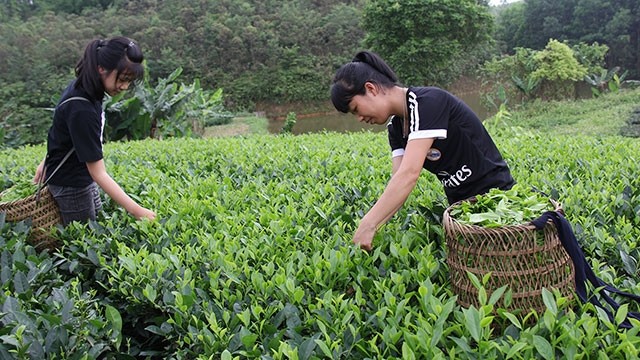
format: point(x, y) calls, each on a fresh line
point(583, 271)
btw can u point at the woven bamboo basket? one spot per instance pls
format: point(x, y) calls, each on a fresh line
point(519, 256)
point(43, 212)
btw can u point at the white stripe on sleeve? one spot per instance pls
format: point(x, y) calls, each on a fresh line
point(397, 152)
point(426, 134)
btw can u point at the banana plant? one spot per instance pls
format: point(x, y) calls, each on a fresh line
point(607, 80)
point(526, 85)
point(166, 109)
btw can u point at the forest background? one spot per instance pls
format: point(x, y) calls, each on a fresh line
point(256, 55)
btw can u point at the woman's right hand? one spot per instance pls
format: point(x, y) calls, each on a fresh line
point(39, 173)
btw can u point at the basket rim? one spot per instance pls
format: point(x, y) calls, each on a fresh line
point(446, 218)
point(22, 199)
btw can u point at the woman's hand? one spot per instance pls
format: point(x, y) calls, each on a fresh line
point(364, 236)
point(111, 188)
point(39, 173)
point(143, 213)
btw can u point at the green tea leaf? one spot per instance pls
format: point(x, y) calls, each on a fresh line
point(543, 347)
point(114, 318)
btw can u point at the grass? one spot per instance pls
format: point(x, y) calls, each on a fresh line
point(240, 125)
point(602, 116)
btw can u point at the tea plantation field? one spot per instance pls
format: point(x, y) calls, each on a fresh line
point(251, 256)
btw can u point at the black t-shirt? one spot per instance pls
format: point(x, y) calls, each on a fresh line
point(463, 155)
point(79, 124)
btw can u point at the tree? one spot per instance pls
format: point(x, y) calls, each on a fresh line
point(558, 69)
point(544, 20)
point(509, 27)
point(425, 40)
point(615, 23)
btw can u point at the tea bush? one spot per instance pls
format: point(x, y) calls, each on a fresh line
point(251, 256)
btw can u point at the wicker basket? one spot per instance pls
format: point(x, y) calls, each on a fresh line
point(43, 212)
point(519, 256)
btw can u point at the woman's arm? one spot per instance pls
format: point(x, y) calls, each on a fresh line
point(99, 174)
point(395, 164)
point(397, 191)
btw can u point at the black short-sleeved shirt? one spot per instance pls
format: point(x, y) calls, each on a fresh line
point(463, 155)
point(79, 124)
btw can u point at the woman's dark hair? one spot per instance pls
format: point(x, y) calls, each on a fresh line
point(119, 53)
point(349, 80)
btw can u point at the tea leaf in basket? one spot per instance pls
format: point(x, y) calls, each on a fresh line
point(18, 191)
point(501, 208)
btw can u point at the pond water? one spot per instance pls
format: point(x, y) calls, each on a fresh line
point(338, 122)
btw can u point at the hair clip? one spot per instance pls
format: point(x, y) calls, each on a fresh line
point(131, 44)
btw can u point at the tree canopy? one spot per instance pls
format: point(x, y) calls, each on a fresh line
point(426, 39)
point(615, 23)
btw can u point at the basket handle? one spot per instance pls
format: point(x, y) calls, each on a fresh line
point(41, 184)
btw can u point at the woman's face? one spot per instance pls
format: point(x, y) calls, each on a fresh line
point(114, 83)
point(370, 107)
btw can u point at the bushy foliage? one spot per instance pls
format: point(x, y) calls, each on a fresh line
point(551, 73)
point(558, 70)
point(168, 109)
point(557, 62)
point(225, 44)
point(425, 40)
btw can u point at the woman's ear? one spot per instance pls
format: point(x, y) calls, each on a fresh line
point(371, 88)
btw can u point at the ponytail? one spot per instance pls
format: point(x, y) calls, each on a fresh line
point(376, 62)
point(87, 71)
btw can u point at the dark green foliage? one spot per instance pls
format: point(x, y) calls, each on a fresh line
point(289, 122)
point(423, 40)
point(615, 23)
point(632, 128)
point(256, 51)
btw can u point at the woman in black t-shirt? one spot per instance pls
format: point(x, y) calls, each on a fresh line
point(428, 128)
point(107, 66)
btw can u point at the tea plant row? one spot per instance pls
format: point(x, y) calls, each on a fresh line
point(252, 257)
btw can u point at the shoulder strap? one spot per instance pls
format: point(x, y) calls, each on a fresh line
point(73, 98)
